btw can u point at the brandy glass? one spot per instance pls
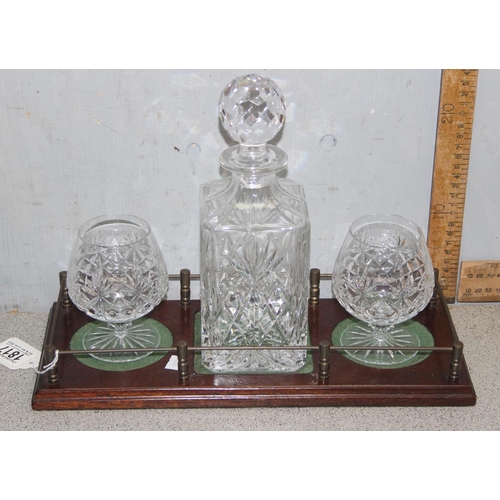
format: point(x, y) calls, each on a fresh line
point(117, 275)
point(383, 276)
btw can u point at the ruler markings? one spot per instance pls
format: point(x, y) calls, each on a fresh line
point(479, 281)
point(451, 167)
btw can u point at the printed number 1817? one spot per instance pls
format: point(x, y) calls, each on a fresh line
point(10, 353)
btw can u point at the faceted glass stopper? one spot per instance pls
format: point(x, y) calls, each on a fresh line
point(252, 109)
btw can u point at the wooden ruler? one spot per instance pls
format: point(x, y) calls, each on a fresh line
point(479, 281)
point(451, 167)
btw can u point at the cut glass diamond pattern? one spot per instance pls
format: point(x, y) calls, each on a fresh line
point(383, 276)
point(252, 110)
point(254, 241)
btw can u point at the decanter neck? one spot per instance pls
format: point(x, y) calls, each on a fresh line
point(253, 152)
point(249, 180)
point(253, 160)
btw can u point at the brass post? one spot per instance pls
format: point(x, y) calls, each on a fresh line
point(65, 300)
point(456, 360)
point(314, 291)
point(324, 360)
point(185, 287)
point(49, 356)
point(433, 301)
point(182, 355)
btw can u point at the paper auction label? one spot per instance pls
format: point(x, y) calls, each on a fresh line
point(16, 354)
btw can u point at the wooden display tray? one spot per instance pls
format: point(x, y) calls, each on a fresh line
point(80, 387)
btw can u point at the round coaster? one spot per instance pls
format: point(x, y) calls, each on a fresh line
point(166, 340)
point(424, 336)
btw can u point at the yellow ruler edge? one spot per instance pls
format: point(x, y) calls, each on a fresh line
point(479, 281)
point(451, 167)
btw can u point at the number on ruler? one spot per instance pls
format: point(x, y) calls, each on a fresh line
point(451, 165)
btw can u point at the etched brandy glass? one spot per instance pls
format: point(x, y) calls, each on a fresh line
point(254, 241)
point(383, 276)
point(117, 275)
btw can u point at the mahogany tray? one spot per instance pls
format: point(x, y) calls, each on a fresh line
point(442, 379)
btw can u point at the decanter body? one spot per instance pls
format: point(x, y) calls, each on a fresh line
point(254, 247)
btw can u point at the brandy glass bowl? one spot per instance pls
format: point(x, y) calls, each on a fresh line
point(383, 276)
point(117, 275)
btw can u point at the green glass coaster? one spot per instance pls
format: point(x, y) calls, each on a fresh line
point(166, 340)
point(200, 368)
point(353, 332)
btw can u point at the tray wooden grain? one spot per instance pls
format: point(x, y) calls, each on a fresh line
point(349, 384)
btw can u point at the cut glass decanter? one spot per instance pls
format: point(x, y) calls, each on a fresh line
point(254, 241)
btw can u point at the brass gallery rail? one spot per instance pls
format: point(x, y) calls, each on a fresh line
point(51, 353)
